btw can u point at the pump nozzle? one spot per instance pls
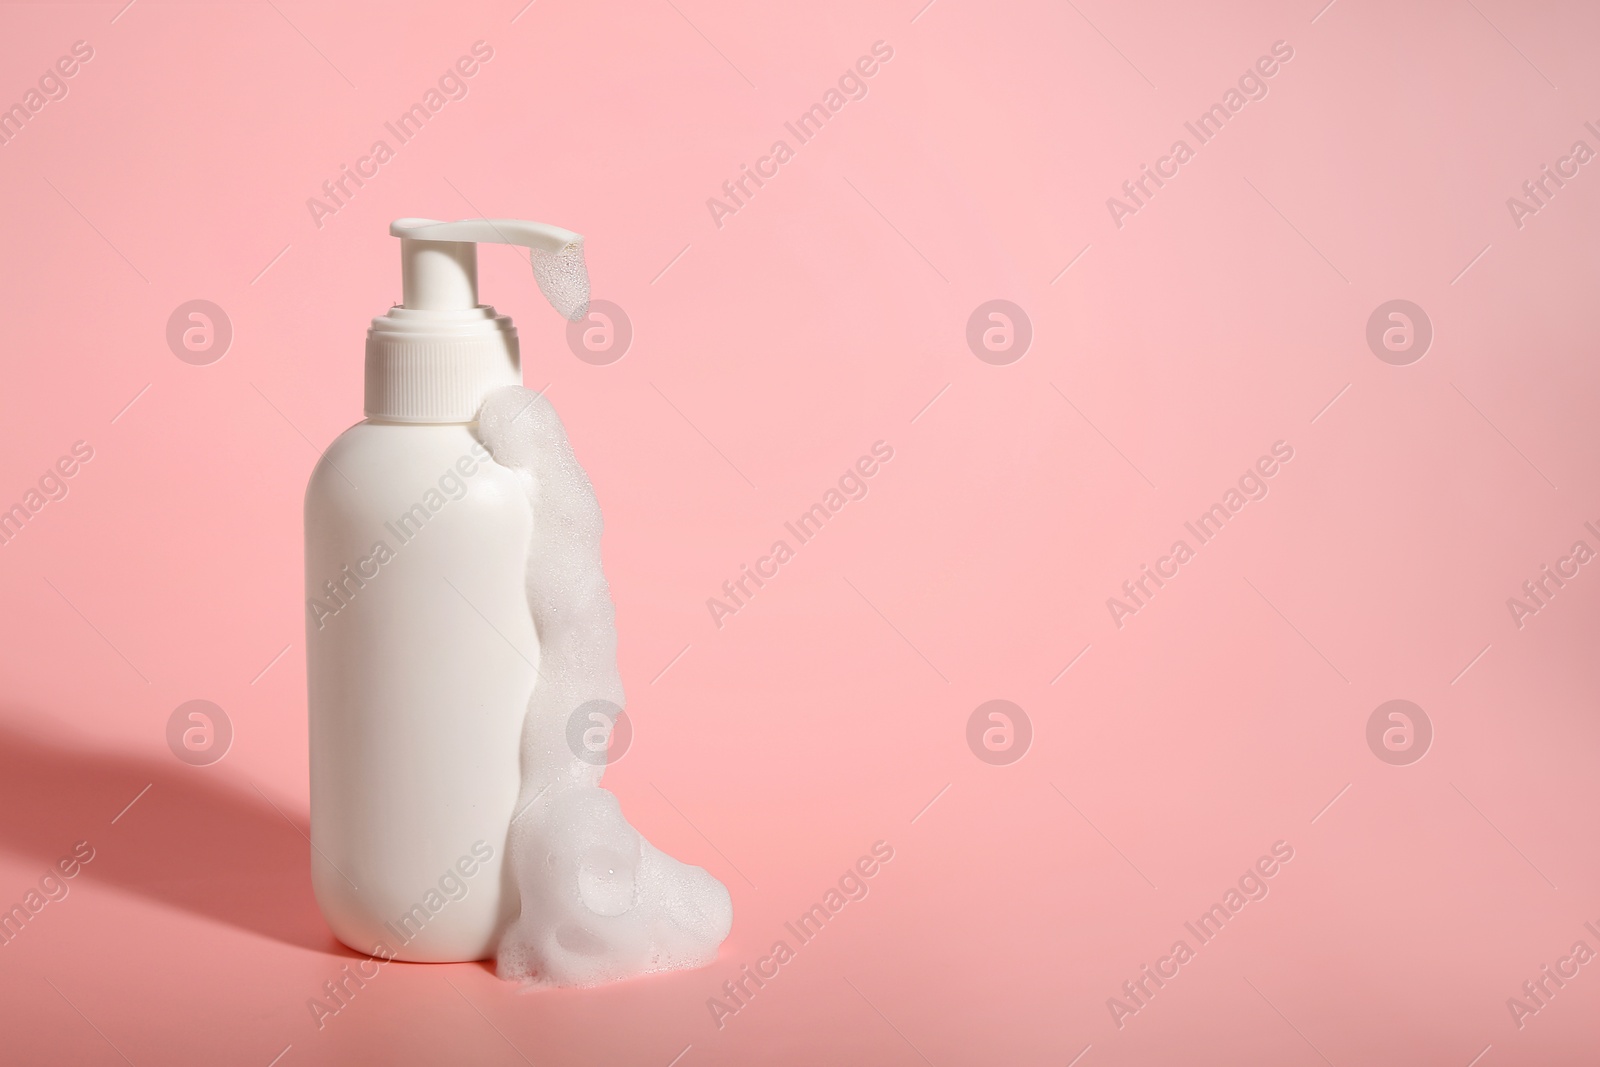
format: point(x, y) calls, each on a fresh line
point(439, 261)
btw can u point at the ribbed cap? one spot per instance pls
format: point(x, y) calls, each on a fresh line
point(438, 366)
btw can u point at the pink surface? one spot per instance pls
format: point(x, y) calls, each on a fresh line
point(830, 311)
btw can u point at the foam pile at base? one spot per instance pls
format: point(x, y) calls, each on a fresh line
point(599, 902)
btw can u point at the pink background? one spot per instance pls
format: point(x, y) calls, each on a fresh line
point(1228, 314)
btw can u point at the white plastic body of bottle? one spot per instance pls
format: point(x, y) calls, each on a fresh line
point(420, 661)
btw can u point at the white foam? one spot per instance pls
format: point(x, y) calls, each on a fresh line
point(563, 278)
point(599, 902)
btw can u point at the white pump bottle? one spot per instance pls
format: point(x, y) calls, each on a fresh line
point(421, 650)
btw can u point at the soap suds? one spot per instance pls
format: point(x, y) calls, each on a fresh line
point(563, 279)
point(599, 902)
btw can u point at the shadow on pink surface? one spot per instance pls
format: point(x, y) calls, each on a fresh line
point(181, 836)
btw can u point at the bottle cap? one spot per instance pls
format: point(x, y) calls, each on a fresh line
point(435, 356)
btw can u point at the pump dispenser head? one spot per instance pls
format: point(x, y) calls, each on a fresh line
point(435, 356)
point(439, 261)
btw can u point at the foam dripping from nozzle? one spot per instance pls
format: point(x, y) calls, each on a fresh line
point(563, 278)
point(598, 901)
